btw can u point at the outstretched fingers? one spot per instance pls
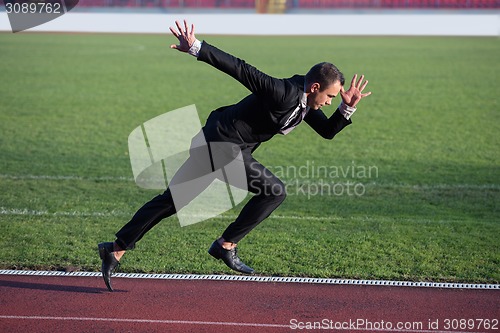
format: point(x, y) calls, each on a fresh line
point(360, 86)
point(353, 81)
point(177, 35)
point(191, 34)
point(184, 34)
point(178, 24)
point(354, 94)
point(366, 94)
point(363, 86)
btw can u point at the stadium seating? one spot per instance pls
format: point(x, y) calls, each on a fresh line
point(299, 4)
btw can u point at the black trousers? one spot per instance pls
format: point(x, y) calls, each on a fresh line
point(268, 193)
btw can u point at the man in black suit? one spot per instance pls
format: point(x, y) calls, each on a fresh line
point(275, 106)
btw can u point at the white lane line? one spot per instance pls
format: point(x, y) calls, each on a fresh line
point(115, 213)
point(34, 212)
point(65, 177)
point(219, 323)
point(268, 279)
point(311, 181)
point(149, 321)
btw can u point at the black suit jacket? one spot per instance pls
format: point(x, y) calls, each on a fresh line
point(260, 115)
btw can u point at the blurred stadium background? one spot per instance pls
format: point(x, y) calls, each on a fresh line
point(283, 6)
point(380, 17)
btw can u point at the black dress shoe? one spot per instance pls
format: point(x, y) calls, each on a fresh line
point(230, 258)
point(109, 262)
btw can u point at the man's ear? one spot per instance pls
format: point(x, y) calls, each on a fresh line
point(315, 87)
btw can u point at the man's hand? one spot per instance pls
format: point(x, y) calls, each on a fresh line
point(186, 38)
point(355, 93)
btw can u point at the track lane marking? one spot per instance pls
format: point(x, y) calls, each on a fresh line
point(211, 323)
point(149, 321)
point(368, 184)
point(261, 279)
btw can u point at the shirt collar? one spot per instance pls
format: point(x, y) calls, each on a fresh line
point(303, 101)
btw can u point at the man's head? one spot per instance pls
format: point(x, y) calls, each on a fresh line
point(323, 82)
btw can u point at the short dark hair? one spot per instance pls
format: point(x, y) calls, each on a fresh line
point(325, 74)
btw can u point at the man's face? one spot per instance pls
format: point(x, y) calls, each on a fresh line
point(319, 97)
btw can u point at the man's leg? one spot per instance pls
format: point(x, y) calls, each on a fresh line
point(197, 166)
point(269, 193)
point(160, 207)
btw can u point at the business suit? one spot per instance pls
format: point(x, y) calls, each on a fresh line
point(261, 115)
point(253, 120)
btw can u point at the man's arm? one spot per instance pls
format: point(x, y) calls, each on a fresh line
point(329, 127)
point(326, 127)
point(253, 79)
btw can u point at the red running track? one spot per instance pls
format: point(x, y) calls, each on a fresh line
point(82, 304)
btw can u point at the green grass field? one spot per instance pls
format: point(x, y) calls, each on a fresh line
point(424, 147)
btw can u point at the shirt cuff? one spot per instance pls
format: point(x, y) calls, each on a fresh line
point(346, 110)
point(194, 50)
